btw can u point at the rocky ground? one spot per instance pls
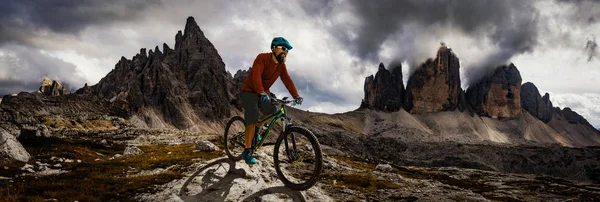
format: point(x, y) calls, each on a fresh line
point(169, 166)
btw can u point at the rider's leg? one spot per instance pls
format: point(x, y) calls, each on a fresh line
point(250, 104)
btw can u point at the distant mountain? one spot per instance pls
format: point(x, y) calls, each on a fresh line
point(518, 112)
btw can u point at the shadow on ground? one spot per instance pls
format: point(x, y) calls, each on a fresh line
point(214, 182)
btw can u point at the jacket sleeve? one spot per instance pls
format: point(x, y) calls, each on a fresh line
point(287, 81)
point(257, 69)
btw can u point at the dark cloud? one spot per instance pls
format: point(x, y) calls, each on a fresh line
point(591, 49)
point(587, 11)
point(20, 19)
point(15, 86)
point(509, 25)
point(23, 69)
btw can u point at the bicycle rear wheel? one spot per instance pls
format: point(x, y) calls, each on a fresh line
point(234, 138)
point(298, 158)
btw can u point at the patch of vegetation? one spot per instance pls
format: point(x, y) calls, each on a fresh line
point(355, 162)
point(362, 182)
point(63, 123)
point(96, 178)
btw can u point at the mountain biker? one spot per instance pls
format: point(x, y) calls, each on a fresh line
point(266, 69)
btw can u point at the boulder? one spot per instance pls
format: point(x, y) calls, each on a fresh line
point(435, 85)
point(384, 167)
point(206, 146)
point(132, 150)
point(497, 95)
point(11, 149)
point(385, 91)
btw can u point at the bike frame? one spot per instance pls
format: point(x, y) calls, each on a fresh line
point(275, 116)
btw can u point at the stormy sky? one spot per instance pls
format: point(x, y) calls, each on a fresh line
point(336, 43)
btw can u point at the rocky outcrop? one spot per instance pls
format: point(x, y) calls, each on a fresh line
point(30, 109)
point(176, 87)
point(11, 149)
point(52, 88)
point(571, 116)
point(532, 102)
point(435, 85)
point(385, 91)
point(86, 90)
point(236, 88)
point(497, 95)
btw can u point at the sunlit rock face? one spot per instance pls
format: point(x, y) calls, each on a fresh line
point(435, 85)
point(497, 95)
point(52, 88)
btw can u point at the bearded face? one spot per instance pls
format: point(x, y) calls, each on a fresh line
point(281, 57)
point(280, 54)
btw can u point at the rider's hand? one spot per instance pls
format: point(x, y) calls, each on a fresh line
point(298, 100)
point(264, 97)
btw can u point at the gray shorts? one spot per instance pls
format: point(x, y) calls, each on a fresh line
point(251, 104)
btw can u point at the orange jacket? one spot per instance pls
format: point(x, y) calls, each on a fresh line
point(264, 73)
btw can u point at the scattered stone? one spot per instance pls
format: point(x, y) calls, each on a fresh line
point(132, 150)
point(68, 161)
point(42, 131)
point(57, 165)
point(27, 166)
point(78, 161)
point(384, 167)
point(115, 156)
point(99, 154)
point(103, 142)
point(206, 146)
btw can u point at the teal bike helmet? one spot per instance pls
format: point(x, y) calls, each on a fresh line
point(280, 41)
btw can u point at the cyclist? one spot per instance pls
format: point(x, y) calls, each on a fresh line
point(266, 69)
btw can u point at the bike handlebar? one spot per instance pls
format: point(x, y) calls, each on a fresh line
point(284, 101)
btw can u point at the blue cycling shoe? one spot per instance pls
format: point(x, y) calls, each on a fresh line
point(247, 156)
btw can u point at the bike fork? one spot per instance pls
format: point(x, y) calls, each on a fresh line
point(291, 156)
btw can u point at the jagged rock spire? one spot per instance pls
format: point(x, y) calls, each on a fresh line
point(385, 91)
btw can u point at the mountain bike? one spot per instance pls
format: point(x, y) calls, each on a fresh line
point(297, 152)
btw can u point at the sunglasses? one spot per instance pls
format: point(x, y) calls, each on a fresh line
point(283, 48)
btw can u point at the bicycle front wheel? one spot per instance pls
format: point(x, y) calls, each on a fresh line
point(298, 158)
point(234, 138)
